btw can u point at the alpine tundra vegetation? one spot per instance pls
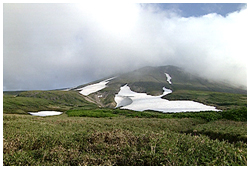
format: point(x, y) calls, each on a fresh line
point(125, 84)
point(106, 123)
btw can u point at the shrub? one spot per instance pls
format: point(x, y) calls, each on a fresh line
point(59, 140)
point(90, 113)
point(235, 114)
point(209, 116)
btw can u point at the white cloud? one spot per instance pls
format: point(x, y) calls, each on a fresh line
point(60, 45)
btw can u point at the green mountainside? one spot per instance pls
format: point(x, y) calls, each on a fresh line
point(29, 101)
point(91, 132)
point(151, 80)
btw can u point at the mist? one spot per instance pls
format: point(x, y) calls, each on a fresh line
point(50, 46)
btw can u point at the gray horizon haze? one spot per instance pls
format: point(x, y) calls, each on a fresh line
point(52, 46)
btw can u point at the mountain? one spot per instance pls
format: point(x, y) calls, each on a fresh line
point(151, 80)
point(165, 88)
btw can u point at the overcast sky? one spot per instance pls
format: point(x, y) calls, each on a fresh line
point(49, 46)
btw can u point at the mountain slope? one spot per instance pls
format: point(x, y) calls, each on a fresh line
point(151, 80)
point(27, 101)
point(147, 80)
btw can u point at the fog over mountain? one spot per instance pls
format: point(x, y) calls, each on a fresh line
point(48, 46)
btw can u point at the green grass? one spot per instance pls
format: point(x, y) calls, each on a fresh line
point(68, 98)
point(88, 135)
point(21, 105)
point(43, 100)
point(234, 114)
point(90, 113)
point(62, 140)
point(222, 129)
point(220, 100)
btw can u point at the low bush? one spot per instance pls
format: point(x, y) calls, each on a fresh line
point(231, 131)
point(90, 113)
point(235, 114)
point(208, 116)
point(59, 140)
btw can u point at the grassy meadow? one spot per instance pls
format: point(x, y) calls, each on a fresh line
point(21, 103)
point(221, 100)
point(88, 135)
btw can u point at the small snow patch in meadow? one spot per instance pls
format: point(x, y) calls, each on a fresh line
point(168, 78)
point(127, 99)
point(94, 87)
point(45, 113)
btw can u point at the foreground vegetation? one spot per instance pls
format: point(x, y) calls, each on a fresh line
point(87, 135)
point(234, 114)
point(63, 140)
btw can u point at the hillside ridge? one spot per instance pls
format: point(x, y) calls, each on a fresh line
point(151, 80)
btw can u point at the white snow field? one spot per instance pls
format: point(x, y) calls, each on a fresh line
point(94, 87)
point(168, 78)
point(45, 113)
point(127, 99)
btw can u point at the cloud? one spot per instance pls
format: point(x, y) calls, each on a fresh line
point(47, 46)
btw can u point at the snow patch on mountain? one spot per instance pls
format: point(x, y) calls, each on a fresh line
point(87, 90)
point(122, 100)
point(127, 99)
point(165, 92)
point(168, 78)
